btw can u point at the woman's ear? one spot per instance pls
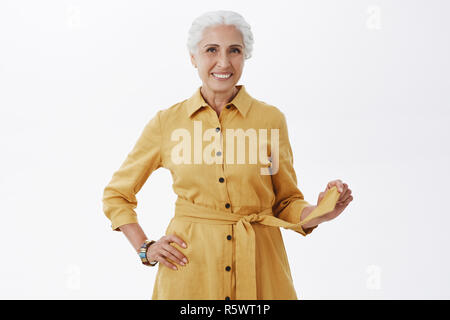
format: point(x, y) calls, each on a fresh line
point(193, 60)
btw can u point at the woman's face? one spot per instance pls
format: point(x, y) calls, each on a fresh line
point(220, 51)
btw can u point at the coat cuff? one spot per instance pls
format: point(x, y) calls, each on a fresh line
point(292, 214)
point(122, 219)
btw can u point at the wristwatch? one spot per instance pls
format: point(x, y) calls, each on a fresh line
point(143, 253)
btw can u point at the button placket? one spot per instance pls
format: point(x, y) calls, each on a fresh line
point(228, 253)
point(219, 131)
point(219, 153)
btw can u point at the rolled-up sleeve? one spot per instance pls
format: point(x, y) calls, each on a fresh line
point(289, 200)
point(119, 196)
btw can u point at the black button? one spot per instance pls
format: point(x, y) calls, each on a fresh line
point(219, 153)
point(228, 268)
point(227, 205)
point(221, 179)
point(217, 129)
point(228, 237)
point(228, 107)
point(227, 298)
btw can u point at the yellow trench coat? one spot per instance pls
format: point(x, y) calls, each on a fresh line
point(234, 194)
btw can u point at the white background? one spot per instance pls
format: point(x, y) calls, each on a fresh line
point(364, 85)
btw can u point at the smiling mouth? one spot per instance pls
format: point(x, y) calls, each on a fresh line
point(222, 76)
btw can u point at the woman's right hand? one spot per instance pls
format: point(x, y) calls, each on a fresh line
point(161, 249)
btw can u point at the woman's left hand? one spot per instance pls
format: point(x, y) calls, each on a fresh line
point(344, 199)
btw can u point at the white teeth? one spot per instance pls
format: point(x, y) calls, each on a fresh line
point(222, 76)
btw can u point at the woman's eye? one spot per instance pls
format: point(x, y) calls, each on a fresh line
point(233, 50)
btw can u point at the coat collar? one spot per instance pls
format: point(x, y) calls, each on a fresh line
point(242, 101)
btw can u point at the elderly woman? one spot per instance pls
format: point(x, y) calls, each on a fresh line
point(224, 240)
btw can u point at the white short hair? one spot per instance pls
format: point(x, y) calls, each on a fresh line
point(220, 17)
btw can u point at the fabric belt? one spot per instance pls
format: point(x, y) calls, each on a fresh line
point(245, 235)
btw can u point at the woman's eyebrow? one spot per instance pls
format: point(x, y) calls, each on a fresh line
point(213, 44)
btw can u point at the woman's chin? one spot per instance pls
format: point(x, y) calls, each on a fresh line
point(221, 85)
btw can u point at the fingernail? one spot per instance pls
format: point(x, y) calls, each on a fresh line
point(182, 263)
point(184, 260)
point(184, 245)
point(174, 268)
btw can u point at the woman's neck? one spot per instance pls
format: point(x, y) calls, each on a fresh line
point(217, 100)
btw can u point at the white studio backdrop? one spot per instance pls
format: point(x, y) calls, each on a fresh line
point(365, 88)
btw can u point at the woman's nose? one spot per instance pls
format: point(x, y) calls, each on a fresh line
point(223, 60)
